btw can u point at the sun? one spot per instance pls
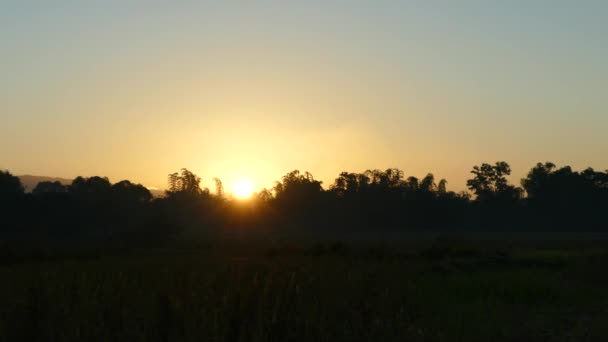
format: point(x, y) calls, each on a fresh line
point(242, 189)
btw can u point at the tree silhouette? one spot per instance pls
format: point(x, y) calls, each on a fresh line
point(296, 186)
point(125, 191)
point(185, 182)
point(412, 183)
point(219, 187)
point(490, 183)
point(538, 179)
point(564, 197)
point(90, 186)
point(48, 187)
point(264, 195)
point(298, 196)
point(10, 186)
point(428, 183)
point(11, 195)
point(442, 187)
point(351, 183)
point(556, 198)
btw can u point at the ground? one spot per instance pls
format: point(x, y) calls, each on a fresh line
point(435, 290)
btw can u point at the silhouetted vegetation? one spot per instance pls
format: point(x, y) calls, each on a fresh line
point(98, 261)
point(550, 199)
point(442, 290)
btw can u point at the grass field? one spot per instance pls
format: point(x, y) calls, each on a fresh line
point(439, 290)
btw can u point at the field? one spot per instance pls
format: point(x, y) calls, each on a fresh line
point(436, 290)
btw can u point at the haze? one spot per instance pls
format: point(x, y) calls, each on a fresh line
point(136, 90)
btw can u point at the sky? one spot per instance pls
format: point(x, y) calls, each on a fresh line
point(254, 89)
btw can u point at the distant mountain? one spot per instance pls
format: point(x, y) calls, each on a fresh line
point(30, 182)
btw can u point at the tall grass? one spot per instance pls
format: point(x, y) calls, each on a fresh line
point(325, 293)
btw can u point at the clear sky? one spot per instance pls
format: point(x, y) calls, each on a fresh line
point(253, 89)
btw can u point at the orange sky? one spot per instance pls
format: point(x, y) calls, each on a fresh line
point(253, 91)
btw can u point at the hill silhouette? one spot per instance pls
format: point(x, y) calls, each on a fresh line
point(29, 182)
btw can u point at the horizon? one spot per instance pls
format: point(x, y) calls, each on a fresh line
point(209, 183)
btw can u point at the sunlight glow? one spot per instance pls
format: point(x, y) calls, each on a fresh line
point(243, 189)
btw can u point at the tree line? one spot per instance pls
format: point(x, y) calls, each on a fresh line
point(548, 199)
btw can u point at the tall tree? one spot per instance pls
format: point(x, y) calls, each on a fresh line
point(297, 186)
point(490, 182)
point(219, 187)
point(537, 179)
point(442, 187)
point(185, 182)
point(428, 183)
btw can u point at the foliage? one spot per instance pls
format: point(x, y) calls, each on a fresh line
point(490, 183)
point(376, 200)
point(10, 186)
point(185, 182)
point(48, 187)
point(565, 196)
